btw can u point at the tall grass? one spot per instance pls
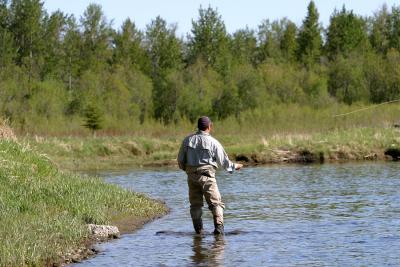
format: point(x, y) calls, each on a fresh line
point(44, 212)
point(269, 120)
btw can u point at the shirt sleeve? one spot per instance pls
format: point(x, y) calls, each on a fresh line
point(222, 158)
point(182, 156)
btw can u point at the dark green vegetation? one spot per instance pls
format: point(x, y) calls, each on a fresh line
point(54, 68)
point(44, 212)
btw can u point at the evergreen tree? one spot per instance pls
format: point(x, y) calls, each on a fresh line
point(93, 118)
point(209, 41)
point(309, 39)
point(288, 43)
point(346, 33)
point(129, 49)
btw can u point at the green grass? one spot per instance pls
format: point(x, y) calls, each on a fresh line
point(355, 143)
point(44, 212)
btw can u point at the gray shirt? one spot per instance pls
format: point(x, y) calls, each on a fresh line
point(202, 149)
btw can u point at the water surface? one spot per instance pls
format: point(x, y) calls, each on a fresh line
point(315, 215)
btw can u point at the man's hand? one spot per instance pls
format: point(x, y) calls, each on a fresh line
point(238, 166)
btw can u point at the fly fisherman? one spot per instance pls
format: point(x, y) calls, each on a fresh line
point(199, 156)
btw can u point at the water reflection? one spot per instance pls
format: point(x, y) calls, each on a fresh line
point(206, 254)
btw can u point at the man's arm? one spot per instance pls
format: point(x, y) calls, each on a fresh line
point(182, 156)
point(223, 159)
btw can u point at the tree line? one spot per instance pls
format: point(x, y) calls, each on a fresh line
point(57, 67)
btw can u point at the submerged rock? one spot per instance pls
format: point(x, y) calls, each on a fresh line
point(104, 232)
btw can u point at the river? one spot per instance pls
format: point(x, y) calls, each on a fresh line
point(281, 215)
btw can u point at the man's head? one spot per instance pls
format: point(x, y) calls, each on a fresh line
point(204, 123)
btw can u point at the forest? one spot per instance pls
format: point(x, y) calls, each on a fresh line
point(59, 73)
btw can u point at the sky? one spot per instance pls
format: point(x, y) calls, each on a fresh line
point(236, 14)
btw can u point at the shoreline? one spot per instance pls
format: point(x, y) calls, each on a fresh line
point(87, 249)
point(111, 153)
point(248, 160)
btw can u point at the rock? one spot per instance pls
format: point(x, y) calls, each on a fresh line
point(104, 232)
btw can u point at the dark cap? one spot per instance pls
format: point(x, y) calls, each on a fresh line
point(203, 123)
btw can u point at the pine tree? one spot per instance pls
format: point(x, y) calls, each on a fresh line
point(93, 118)
point(209, 41)
point(129, 47)
point(288, 43)
point(309, 38)
point(346, 33)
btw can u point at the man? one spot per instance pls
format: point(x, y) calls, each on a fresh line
point(199, 156)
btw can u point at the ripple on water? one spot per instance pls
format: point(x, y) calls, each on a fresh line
point(316, 215)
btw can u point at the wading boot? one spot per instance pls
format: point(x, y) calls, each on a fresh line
point(198, 226)
point(219, 229)
point(218, 217)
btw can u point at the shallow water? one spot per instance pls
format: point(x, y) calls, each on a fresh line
point(315, 215)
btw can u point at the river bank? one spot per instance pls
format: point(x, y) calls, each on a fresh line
point(45, 212)
point(104, 153)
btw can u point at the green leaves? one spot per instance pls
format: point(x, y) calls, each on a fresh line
point(309, 38)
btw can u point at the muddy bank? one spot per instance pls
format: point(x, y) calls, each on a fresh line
point(301, 156)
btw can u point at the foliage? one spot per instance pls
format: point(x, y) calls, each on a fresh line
point(309, 38)
point(52, 66)
point(93, 118)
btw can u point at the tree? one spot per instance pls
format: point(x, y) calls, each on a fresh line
point(72, 43)
point(269, 37)
point(309, 39)
point(164, 51)
point(93, 118)
point(96, 48)
point(54, 31)
point(198, 88)
point(244, 46)
point(209, 41)
point(288, 43)
point(380, 32)
point(347, 80)
point(7, 49)
point(27, 26)
point(394, 28)
point(346, 34)
point(128, 47)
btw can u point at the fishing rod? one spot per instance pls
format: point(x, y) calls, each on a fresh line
point(362, 109)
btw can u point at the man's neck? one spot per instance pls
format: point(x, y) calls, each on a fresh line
point(206, 132)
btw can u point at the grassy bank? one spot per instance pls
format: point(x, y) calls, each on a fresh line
point(362, 143)
point(44, 212)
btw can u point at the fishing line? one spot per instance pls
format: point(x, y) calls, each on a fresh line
point(362, 109)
